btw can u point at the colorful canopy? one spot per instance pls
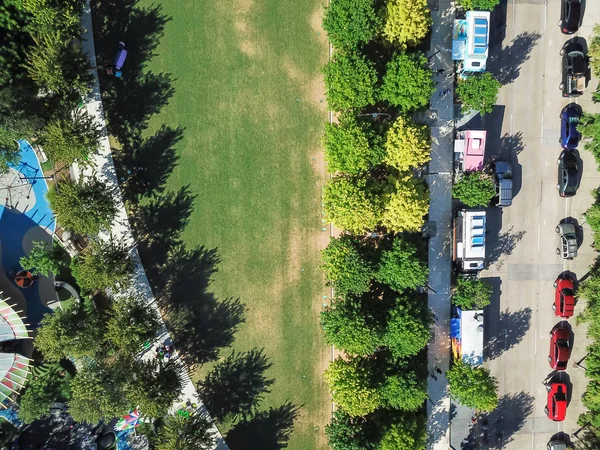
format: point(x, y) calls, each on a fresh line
point(128, 421)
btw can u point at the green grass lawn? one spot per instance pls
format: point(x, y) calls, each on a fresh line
point(248, 93)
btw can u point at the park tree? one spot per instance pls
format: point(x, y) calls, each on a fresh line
point(70, 332)
point(471, 293)
point(401, 268)
point(346, 269)
point(37, 399)
point(10, 153)
point(478, 92)
point(102, 265)
point(350, 81)
point(131, 323)
point(405, 391)
point(351, 204)
point(236, 386)
point(71, 139)
point(14, 39)
point(474, 188)
point(407, 331)
point(351, 326)
point(592, 217)
point(407, 83)
point(43, 259)
point(352, 146)
point(407, 145)
point(97, 392)
point(180, 432)
point(405, 433)
point(407, 22)
point(153, 386)
point(353, 386)
point(589, 127)
point(351, 433)
point(84, 207)
point(58, 65)
point(473, 387)
point(479, 5)
point(349, 23)
point(406, 203)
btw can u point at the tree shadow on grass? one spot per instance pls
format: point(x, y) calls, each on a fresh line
point(266, 430)
point(235, 387)
point(144, 165)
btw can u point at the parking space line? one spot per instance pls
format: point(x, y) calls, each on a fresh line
point(539, 233)
point(542, 130)
point(535, 342)
point(545, 15)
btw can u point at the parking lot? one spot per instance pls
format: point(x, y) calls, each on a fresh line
point(521, 239)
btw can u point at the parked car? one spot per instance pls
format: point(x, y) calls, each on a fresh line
point(557, 445)
point(564, 298)
point(567, 240)
point(568, 173)
point(556, 407)
point(574, 71)
point(570, 16)
point(560, 348)
point(569, 119)
point(503, 171)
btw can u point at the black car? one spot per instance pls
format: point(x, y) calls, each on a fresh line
point(574, 70)
point(570, 16)
point(568, 173)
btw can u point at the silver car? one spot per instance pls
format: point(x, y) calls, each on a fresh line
point(503, 171)
point(567, 241)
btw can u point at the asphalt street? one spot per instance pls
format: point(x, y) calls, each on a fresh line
point(521, 239)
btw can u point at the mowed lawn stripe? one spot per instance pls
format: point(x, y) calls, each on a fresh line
point(248, 93)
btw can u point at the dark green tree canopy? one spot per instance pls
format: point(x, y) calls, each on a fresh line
point(38, 397)
point(350, 81)
point(353, 146)
point(43, 259)
point(71, 139)
point(473, 387)
point(406, 391)
point(349, 23)
point(408, 83)
point(400, 267)
point(407, 331)
point(186, 432)
point(471, 293)
point(84, 207)
point(478, 92)
point(131, 323)
point(351, 433)
point(474, 188)
point(102, 265)
point(351, 326)
point(346, 268)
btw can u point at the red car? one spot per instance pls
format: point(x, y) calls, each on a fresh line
point(560, 348)
point(564, 298)
point(556, 408)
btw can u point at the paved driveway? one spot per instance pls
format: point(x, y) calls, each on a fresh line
point(521, 240)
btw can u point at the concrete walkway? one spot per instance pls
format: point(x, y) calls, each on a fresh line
point(440, 224)
point(102, 166)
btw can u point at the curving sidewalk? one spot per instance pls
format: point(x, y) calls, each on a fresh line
point(102, 165)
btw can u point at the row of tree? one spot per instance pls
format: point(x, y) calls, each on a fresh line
point(589, 289)
point(376, 319)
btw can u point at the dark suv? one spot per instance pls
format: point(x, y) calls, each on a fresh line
point(569, 119)
point(568, 173)
point(574, 71)
point(570, 16)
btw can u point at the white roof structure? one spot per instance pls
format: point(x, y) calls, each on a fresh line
point(471, 339)
point(478, 36)
point(469, 239)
